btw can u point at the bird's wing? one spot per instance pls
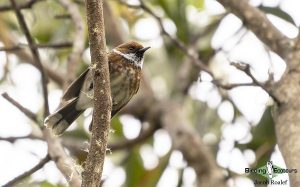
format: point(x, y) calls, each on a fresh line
point(74, 89)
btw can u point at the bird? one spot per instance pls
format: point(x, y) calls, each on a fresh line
point(125, 69)
point(270, 169)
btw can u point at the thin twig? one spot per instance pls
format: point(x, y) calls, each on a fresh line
point(46, 45)
point(13, 139)
point(24, 110)
point(232, 85)
point(57, 45)
point(35, 54)
point(29, 172)
point(246, 69)
point(9, 40)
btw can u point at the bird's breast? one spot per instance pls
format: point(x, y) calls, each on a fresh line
point(124, 82)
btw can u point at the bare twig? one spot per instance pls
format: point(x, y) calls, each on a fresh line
point(24, 55)
point(24, 110)
point(230, 86)
point(246, 69)
point(92, 173)
point(29, 172)
point(78, 42)
point(24, 5)
point(13, 139)
point(35, 54)
point(57, 45)
point(47, 45)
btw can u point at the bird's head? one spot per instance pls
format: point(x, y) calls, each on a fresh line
point(132, 51)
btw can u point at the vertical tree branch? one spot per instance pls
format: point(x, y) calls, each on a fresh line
point(92, 173)
point(35, 54)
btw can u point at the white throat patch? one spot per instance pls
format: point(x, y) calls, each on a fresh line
point(131, 57)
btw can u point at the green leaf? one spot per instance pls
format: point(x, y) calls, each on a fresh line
point(276, 11)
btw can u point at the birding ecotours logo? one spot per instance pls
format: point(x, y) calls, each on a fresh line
point(270, 171)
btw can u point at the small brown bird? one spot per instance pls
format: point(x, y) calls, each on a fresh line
point(125, 65)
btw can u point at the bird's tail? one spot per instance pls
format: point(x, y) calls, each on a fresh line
point(63, 117)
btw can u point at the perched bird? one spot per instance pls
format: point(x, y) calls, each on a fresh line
point(125, 65)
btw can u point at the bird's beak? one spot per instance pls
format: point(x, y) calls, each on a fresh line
point(144, 49)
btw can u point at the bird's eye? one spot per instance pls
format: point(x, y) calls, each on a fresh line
point(131, 48)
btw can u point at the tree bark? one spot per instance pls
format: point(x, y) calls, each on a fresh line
point(92, 173)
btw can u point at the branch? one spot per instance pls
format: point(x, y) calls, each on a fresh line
point(189, 52)
point(92, 173)
point(46, 45)
point(232, 85)
point(55, 149)
point(246, 69)
point(78, 42)
point(13, 139)
point(9, 41)
point(24, 110)
point(259, 24)
point(64, 163)
point(35, 54)
point(29, 172)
